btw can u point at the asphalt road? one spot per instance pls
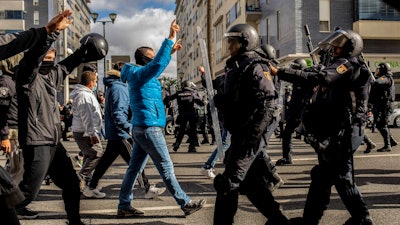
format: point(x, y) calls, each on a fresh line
point(377, 175)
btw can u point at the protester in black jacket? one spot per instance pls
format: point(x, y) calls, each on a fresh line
point(12, 44)
point(38, 80)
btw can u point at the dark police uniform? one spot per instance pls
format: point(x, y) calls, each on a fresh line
point(247, 108)
point(328, 121)
point(382, 98)
point(187, 98)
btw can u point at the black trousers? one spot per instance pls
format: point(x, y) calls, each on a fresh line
point(186, 118)
point(291, 124)
point(334, 169)
point(248, 172)
point(54, 161)
point(8, 215)
point(114, 148)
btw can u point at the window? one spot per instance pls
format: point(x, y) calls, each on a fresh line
point(228, 22)
point(36, 18)
point(219, 36)
point(36, 2)
point(375, 10)
point(2, 15)
point(14, 14)
point(217, 5)
point(324, 15)
point(233, 14)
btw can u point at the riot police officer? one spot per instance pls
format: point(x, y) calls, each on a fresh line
point(246, 105)
point(186, 98)
point(328, 122)
point(293, 114)
point(382, 98)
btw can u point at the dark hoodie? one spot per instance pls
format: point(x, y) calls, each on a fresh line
point(116, 110)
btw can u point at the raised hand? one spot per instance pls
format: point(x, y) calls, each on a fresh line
point(5, 146)
point(173, 30)
point(176, 47)
point(60, 22)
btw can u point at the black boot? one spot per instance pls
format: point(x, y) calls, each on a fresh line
point(370, 145)
point(284, 161)
point(386, 148)
point(176, 147)
point(393, 142)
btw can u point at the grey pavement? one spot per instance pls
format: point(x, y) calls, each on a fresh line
point(377, 175)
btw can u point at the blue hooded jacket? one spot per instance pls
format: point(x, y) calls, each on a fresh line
point(116, 109)
point(145, 90)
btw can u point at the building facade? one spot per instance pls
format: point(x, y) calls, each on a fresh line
point(281, 24)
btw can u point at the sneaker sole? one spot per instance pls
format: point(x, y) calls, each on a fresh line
point(20, 217)
point(156, 195)
point(203, 202)
point(130, 215)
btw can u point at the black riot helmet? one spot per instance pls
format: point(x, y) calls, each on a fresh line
point(246, 34)
point(185, 84)
point(298, 64)
point(350, 41)
point(95, 46)
point(384, 68)
point(269, 50)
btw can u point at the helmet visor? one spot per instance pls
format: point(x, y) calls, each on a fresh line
point(336, 39)
point(231, 46)
point(233, 34)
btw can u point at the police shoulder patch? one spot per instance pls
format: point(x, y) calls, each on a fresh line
point(267, 75)
point(341, 69)
point(4, 92)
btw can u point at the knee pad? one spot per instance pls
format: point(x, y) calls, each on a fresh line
point(222, 184)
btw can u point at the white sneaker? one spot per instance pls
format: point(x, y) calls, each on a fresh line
point(93, 193)
point(154, 192)
point(208, 172)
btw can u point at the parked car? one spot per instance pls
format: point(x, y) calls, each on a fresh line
point(394, 119)
point(170, 126)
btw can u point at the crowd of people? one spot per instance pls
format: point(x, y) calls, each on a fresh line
point(131, 116)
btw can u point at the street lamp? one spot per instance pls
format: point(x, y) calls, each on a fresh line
point(95, 16)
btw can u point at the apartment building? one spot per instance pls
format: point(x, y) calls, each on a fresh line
point(224, 13)
point(281, 24)
point(11, 16)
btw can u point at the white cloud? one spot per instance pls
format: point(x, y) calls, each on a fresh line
point(134, 27)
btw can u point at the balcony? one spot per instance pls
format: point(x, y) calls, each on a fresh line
point(377, 29)
point(253, 10)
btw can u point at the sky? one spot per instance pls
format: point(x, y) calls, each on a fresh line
point(139, 23)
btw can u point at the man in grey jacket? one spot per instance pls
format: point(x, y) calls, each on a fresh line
point(86, 125)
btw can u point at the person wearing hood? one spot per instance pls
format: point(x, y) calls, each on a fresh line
point(117, 133)
point(187, 99)
point(39, 127)
point(148, 122)
point(86, 125)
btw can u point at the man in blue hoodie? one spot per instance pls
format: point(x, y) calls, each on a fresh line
point(117, 133)
point(148, 122)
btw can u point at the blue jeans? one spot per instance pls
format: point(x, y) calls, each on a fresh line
point(212, 160)
point(150, 141)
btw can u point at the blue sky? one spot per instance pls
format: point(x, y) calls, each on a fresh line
point(138, 23)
